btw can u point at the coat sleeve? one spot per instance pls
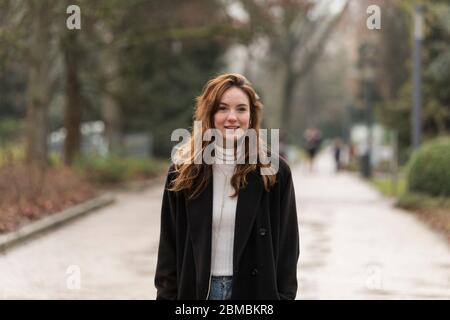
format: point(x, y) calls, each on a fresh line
point(166, 268)
point(289, 244)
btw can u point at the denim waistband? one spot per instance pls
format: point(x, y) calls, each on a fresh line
point(221, 278)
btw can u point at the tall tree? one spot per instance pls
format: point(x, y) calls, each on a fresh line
point(395, 70)
point(167, 51)
point(297, 35)
point(73, 100)
point(111, 111)
point(38, 91)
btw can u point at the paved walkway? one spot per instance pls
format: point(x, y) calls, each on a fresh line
point(354, 245)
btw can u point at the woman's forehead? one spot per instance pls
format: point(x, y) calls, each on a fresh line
point(234, 96)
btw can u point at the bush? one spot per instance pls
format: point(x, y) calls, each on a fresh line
point(103, 170)
point(142, 167)
point(419, 200)
point(114, 169)
point(429, 168)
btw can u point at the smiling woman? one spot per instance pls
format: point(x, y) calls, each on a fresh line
point(228, 231)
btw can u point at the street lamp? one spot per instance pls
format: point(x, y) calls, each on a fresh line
point(416, 115)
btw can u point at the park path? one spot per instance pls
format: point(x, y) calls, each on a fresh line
point(354, 245)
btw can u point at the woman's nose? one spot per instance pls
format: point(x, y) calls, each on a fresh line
point(232, 116)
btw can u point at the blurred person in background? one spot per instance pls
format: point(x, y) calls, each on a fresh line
point(313, 140)
point(337, 151)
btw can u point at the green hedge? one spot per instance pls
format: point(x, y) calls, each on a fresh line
point(422, 201)
point(115, 169)
point(429, 168)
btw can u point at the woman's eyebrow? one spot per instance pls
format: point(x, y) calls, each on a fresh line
point(241, 104)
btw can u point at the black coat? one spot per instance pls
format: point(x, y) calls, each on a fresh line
point(266, 242)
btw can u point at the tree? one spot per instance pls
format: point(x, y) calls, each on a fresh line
point(166, 54)
point(73, 103)
point(38, 90)
point(296, 35)
point(437, 70)
point(395, 71)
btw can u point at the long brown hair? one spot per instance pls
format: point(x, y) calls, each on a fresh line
point(193, 177)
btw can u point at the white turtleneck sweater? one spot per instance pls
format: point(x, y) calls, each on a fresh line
point(224, 213)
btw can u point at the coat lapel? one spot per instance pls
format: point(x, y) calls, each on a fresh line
point(199, 217)
point(246, 210)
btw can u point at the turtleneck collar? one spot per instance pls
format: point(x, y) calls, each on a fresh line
point(224, 155)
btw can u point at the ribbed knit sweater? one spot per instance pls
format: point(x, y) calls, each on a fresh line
point(224, 213)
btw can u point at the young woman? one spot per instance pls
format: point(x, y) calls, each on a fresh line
point(227, 230)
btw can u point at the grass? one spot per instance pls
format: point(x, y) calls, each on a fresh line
point(422, 201)
point(388, 188)
point(12, 153)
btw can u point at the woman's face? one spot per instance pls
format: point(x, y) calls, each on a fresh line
point(233, 113)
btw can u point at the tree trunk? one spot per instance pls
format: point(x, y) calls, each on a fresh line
point(288, 99)
point(73, 108)
point(111, 116)
point(38, 91)
point(296, 73)
point(110, 107)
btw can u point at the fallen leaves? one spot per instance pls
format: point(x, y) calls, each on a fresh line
point(28, 193)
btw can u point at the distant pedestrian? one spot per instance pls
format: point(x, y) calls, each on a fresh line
point(313, 140)
point(352, 155)
point(337, 148)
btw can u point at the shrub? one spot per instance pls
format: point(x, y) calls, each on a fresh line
point(114, 169)
point(429, 168)
point(142, 167)
point(103, 170)
point(420, 200)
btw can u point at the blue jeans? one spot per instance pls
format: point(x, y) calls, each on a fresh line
point(220, 288)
